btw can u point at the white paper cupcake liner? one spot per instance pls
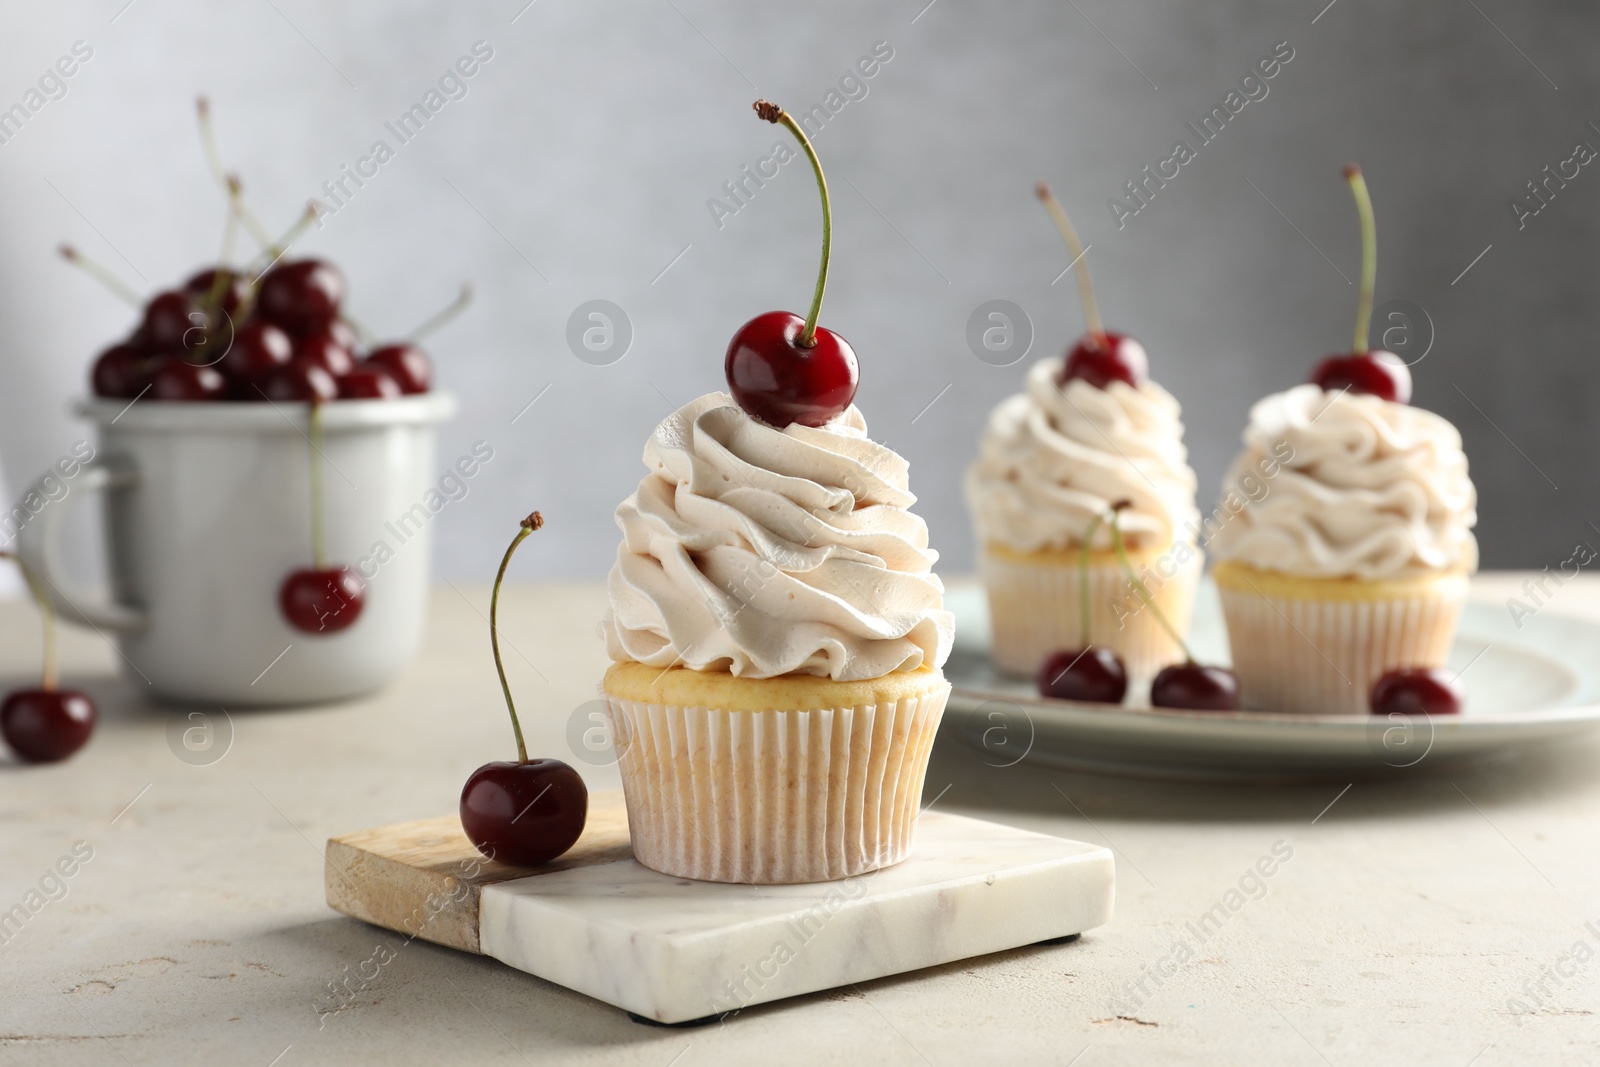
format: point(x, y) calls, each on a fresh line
point(1321, 657)
point(1034, 611)
point(773, 797)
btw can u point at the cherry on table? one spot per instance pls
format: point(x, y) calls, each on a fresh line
point(1417, 691)
point(1093, 675)
point(1103, 359)
point(324, 600)
point(780, 381)
point(526, 813)
point(1376, 373)
point(1196, 687)
point(259, 348)
point(406, 363)
point(175, 378)
point(121, 371)
point(302, 296)
point(299, 380)
point(325, 349)
point(369, 381)
point(46, 725)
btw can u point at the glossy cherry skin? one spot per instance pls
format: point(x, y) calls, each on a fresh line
point(1094, 675)
point(322, 601)
point(258, 349)
point(1376, 373)
point(166, 322)
point(1196, 687)
point(121, 371)
point(368, 382)
point(46, 725)
point(407, 364)
point(524, 814)
point(302, 296)
point(777, 381)
point(175, 378)
point(298, 380)
point(202, 285)
point(1115, 358)
point(1417, 691)
point(325, 349)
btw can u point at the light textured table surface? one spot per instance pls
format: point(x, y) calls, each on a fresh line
point(1408, 916)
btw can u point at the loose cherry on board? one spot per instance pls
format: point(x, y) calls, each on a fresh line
point(175, 378)
point(1362, 370)
point(531, 811)
point(368, 381)
point(406, 363)
point(322, 600)
point(302, 296)
point(1092, 674)
point(1417, 691)
point(783, 369)
point(1101, 356)
point(45, 724)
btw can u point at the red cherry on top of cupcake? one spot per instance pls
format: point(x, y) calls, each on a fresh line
point(1101, 356)
point(781, 368)
point(1374, 372)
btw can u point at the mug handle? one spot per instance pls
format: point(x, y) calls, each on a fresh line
point(39, 552)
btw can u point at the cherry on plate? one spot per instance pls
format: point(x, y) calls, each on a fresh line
point(1094, 675)
point(1196, 687)
point(1418, 691)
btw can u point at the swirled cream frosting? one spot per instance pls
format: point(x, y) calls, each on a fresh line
point(1364, 488)
point(1054, 457)
point(766, 552)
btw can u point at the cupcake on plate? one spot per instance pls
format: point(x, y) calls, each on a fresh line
point(1355, 559)
point(776, 627)
point(1092, 430)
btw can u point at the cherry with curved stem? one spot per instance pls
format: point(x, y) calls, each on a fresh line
point(1190, 684)
point(46, 724)
point(528, 812)
point(1100, 356)
point(322, 598)
point(1093, 674)
point(1363, 370)
point(783, 369)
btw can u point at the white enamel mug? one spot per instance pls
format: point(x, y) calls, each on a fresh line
point(208, 509)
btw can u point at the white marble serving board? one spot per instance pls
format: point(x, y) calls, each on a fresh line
point(673, 950)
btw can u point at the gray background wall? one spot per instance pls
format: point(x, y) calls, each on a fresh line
point(580, 163)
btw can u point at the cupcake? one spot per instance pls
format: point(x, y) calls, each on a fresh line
point(776, 629)
point(1351, 559)
point(1091, 431)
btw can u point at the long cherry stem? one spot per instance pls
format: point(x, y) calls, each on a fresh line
point(319, 546)
point(444, 314)
point(1139, 587)
point(773, 113)
point(1091, 310)
point(49, 676)
point(208, 144)
point(101, 274)
point(1369, 256)
point(529, 524)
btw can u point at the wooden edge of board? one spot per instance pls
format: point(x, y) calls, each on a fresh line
point(424, 878)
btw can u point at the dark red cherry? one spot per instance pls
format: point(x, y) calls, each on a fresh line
point(1100, 361)
point(1094, 675)
point(1196, 687)
point(407, 364)
point(1376, 373)
point(175, 378)
point(121, 371)
point(299, 380)
point(777, 381)
point(524, 814)
point(368, 382)
point(324, 349)
point(322, 601)
point(166, 323)
point(1417, 691)
point(45, 725)
point(302, 296)
point(259, 348)
point(231, 293)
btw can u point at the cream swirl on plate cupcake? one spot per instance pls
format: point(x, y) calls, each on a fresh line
point(766, 552)
point(1056, 456)
point(1372, 489)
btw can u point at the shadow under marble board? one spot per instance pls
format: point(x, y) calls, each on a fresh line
point(671, 950)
